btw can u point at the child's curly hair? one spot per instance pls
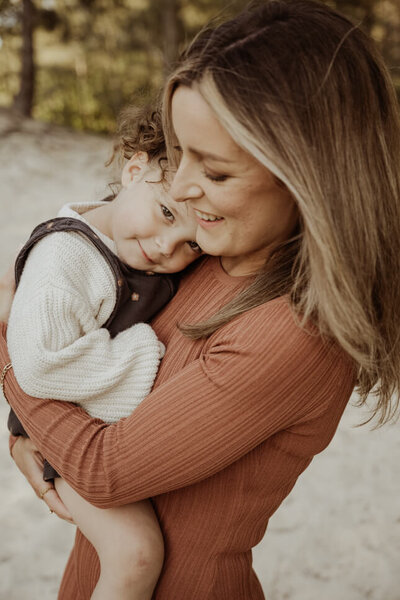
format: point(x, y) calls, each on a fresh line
point(140, 130)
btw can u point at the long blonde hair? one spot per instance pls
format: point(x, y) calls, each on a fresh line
point(305, 92)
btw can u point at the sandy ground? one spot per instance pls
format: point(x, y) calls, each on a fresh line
point(337, 536)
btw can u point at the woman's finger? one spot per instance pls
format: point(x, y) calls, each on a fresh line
point(30, 463)
point(56, 505)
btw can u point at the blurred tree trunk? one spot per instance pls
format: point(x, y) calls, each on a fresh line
point(23, 101)
point(171, 28)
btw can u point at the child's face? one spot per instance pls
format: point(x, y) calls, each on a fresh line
point(151, 231)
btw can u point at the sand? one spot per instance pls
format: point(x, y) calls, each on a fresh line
point(337, 536)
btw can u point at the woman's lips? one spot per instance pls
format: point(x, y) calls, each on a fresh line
point(207, 220)
point(144, 254)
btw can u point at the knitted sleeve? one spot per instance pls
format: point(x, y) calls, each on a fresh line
point(255, 377)
point(56, 343)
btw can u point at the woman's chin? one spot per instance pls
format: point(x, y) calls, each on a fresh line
point(210, 243)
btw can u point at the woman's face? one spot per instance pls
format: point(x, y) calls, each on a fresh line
point(241, 211)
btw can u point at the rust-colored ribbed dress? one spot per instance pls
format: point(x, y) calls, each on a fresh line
point(232, 422)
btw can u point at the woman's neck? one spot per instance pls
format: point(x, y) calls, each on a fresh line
point(239, 266)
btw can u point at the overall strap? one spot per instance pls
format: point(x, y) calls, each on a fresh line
point(139, 294)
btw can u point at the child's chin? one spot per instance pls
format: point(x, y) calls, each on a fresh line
point(132, 262)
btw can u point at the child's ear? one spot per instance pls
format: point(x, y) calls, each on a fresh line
point(134, 168)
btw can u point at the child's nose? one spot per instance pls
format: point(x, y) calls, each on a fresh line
point(167, 246)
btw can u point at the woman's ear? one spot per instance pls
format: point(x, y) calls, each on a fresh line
point(134, 168)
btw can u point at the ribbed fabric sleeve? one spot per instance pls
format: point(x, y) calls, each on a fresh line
point(219, 443)
point(55, 337)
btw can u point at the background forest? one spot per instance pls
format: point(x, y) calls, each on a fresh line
point(77, 62)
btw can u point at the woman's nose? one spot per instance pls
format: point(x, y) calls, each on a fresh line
point(183, 186)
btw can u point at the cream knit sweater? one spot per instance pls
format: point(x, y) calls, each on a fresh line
point(57, 345)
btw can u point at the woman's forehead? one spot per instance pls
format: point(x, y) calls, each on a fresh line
point(198, 129)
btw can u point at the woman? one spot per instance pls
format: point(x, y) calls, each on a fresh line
point(283, 125)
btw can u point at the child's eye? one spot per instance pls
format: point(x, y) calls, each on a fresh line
point(167, 213)
point(195, 247)
point(213, 177)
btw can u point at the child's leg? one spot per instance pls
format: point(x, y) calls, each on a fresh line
point(127, 540)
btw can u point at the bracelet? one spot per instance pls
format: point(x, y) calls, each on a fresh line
point(3, 376)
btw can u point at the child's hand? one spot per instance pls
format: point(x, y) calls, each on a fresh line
point(30, 462)
point(7, 290)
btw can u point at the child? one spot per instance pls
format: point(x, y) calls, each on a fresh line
point(89, 275)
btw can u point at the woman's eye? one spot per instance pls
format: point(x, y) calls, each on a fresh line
point(195, 247)
point(167, 213)
point(213, 177)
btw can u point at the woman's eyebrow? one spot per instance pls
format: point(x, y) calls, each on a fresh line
point(210, 155)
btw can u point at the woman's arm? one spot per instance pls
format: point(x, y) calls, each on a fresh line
point(242, 390)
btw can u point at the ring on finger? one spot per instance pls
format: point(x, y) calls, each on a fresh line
point(43, 492)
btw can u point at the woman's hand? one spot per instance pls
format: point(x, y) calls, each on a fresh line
point(7, 290)
point(30, 462)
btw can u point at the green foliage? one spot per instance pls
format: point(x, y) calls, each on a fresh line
point(92, 57)
point(90, 95)
point(95, 56)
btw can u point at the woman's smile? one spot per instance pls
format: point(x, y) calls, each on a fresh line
point(207, 220)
